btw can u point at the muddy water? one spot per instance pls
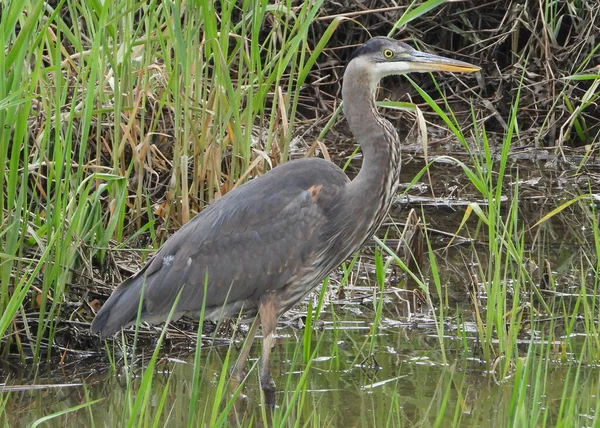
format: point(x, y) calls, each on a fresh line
point(397, 373)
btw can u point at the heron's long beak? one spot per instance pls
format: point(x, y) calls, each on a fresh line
point(421, 61)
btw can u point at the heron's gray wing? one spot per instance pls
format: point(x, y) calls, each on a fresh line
point(252, 240)
point(237, 252)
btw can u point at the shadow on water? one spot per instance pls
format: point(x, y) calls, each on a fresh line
point(396, 372)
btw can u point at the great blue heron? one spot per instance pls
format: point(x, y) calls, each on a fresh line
point(265, 245)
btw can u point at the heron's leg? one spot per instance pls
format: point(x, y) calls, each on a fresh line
point(238, 370)
point(269, 314)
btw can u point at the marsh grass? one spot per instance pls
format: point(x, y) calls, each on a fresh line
point(190, 102)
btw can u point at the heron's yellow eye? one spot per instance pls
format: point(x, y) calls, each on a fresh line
point(388, 53)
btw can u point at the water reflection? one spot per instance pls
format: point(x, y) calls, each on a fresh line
point(404, 381)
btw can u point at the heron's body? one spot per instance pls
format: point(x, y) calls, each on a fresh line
point(262, 247)
point(257, 239)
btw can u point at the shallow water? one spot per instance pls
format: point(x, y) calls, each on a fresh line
point(404, 380)
point(394, 374)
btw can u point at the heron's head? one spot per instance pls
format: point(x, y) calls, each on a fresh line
point(382, 56)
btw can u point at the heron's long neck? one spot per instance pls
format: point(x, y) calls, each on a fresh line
point(377, 180)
